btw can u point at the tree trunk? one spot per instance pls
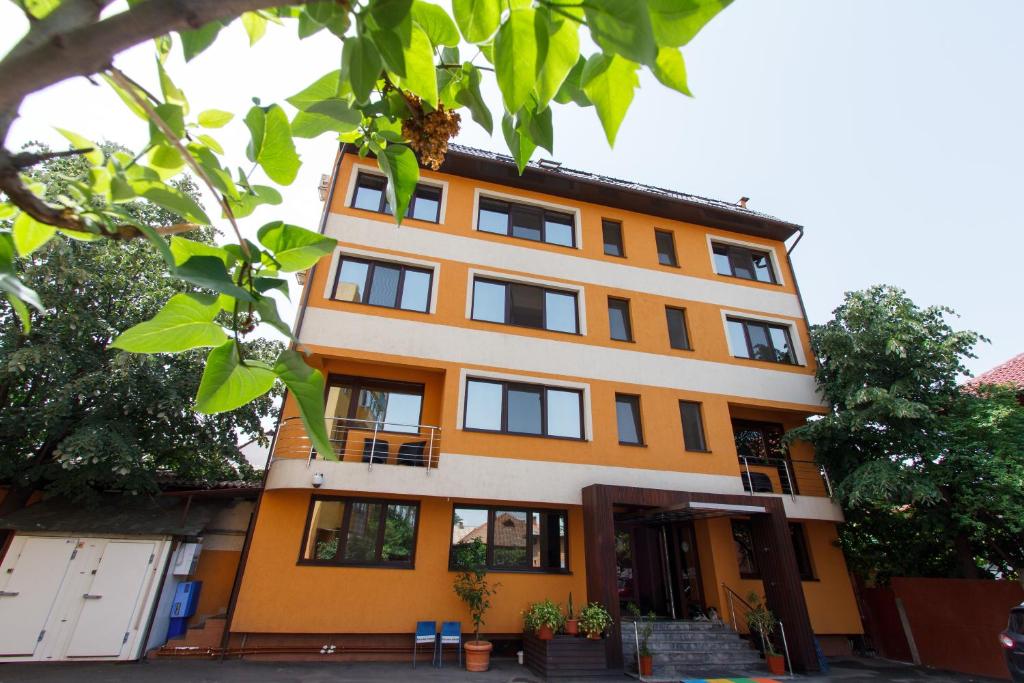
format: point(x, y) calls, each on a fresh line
point(965, 556)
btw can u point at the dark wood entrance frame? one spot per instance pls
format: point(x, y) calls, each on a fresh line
point(773, 548)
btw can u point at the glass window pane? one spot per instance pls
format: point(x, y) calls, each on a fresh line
point(402, 413)
point(759, 342)
point(469, 537)
point(526, 222)
point(510, 538)
point(738, 339)
point(352, 281)
point(324, 530)
point(780, 343)
point(483, 405)
point(666, 248)
point(722, 265)
point(527, 306)
point(560, 311)
point(762, 267)
point(558, 230)
point(427, 204)
point(339, 399)
point(384, 289)
point(618, 320)
point(493, 217)
point(742, 266)
point(524, 413)
point(564, 413)
point(368, 194)
point(612, 238)
point(363, 526)
point(399, 533)
point(677, 336)
point(743, 537)
point(489, 301)
point(693, 426)
point(416, 290)
point(627, 412)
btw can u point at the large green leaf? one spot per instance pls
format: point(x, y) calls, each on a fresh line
point(9, 281)
point(609, 82)
point(622, 27)
point(392, 44)
point(670, 69)
point(307, 386)
point(360, 66)
point(438, 26)
point(271, 144)
point(194, 42)
point(470, 96)
point(214, 118)
point(256, 195)
point(21, 309)
point(29, 234)
point(185, 322)
point(403, 171)
point(267, 308)
point(326, 87)
point(572, 86)
point(170, 198)
point(327, 116)
point(209, 272)
point(389, 13)
point(477, 19)
point(522, 146)
point(95, 156)
point(255, 26)
point(675, 23)
point(294, 248)
point(420, 75)
point(184, 249)
point(229, 383)
point(172, 93)
point(563, 50)
point(518, 54)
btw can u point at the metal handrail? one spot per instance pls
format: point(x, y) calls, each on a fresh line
point(732, 596)
point(794, 477)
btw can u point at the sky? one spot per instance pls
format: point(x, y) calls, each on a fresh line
point(890, 130)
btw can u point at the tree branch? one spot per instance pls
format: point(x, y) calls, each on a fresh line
point(24, 160)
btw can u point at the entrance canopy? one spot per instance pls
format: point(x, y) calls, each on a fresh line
point(691, 509)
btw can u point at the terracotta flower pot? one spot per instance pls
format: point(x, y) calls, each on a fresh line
point(572, 627)
point(646, 665)
point(545, 633)
point(478, 655)
point(594, 636)
point(776, 664)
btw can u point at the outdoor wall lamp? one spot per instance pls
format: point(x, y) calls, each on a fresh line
point(318, 480)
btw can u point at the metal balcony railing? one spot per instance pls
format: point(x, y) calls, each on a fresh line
point(782, 475)
point(373, 442)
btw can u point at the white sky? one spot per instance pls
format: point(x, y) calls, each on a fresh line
point(890, 130)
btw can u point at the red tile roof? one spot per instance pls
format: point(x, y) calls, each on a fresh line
point(1011, 372)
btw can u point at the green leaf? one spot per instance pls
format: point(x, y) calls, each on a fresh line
point(670, 69)
point(22, 310)
point(129, 102)
point(95, 157)
point(184, 249)
point(229, 383)
point(609, 82)
point(622, 27)
point(307, 386)
point(255, 26)
point(215, 118)
point(541, 130)
point(185, 322)
point(438, 26)
point(165, 160)
point(563, 51)
point(326, 87)
point(331, 14)
point(392, 44)
point(477, 19)
point(518, 56)
point(271, 144)
point(9, 281)
point(469, 96)
point(40, 8)
point(258, 195)
point(572, 87)
point(172, 93)
point(676, 23)
point(521, 146)
point(327, 116)
point(420, 75)
point(170, 198)
point(294, 248)
point(174, 116)
point(403, 171)
point(209, 272)
point(267, 308)
point(29, 234)
point(194, 42)
point(389, 13)
point(361, 66)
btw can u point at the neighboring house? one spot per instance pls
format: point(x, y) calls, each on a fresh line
point(589, 375)
point(1010, 373)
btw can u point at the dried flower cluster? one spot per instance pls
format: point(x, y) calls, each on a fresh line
point(428, 133)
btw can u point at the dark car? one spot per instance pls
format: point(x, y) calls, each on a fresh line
point(1012, 640)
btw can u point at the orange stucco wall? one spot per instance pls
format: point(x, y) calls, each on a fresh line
point(216, 569)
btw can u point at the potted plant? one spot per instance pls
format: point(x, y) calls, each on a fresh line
point(594, 619)
point(645, 660)
point(761, 620)
point(544, 618)
point(572, 624)
point(473, 589)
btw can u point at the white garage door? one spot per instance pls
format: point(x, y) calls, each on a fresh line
point(30, 580)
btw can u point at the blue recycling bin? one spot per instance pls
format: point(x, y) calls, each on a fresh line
point(186, 597)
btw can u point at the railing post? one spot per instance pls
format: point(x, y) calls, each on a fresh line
point(430, 450)
point(732, 610)
point(750, 483)
point(791, 476)
point(785, 648)
point(824, 476)
point(373, 444)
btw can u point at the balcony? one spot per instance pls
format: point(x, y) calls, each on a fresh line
point(783, 475)
point(372, 442)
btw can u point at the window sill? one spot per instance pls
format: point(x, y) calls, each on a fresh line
point(633, 445)
point(392, 216)
point(535, 436)
point(523, 327)
point(525, 239)
point(696, 450)
point(387, 308)
point(353, 565)
point(673, 348)
point(623, 341)
point(510, 570)
point(773, 362)
point(747, 279)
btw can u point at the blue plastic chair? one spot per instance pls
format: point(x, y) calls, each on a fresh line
point(426, 632)
point(451, 634)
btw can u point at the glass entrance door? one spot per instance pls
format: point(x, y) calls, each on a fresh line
point(658, 570)
point(684, 570)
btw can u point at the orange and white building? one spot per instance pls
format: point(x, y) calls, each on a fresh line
point(590, 376)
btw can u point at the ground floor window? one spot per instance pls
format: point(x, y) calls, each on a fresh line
point(510, 539)
point(359, 531)
point(743, 537)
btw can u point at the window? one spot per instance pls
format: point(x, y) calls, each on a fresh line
point(379, 283)
point(530, 409)
point(365, 404)
point(678, 338)
point(618, 320)
point(425, 204)
point(743, 537)
point(509, 539)
point(358, 531)
point(759, 444)
point(761, 341)
point(627, 412)
point(693, 426)
point(803, 557)
point(666, 242)
point(525, 306)
point(612, 238)
point(741, 262)
point(526, 222)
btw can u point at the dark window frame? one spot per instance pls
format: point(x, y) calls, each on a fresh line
point(544, 212)
point(491, 567)
point(688, 346)
point(359, 383)
point(628, 317)
point(527, 386)
point(344, 530)
point(768, 326)
point(786, 472)
point(700, 418)
point(748, 525)
point(802, 549)
point(738, 251)
point(619, 242)
point(508, 304)
point(382, 205)
point(637, 419)
point(400, 287)
point(672, 254)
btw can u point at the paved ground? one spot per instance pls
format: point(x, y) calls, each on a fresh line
point(503, 671)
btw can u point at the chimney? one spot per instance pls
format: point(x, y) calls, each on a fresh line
point(743, 202)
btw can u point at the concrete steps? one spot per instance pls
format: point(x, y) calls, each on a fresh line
point(682, 648)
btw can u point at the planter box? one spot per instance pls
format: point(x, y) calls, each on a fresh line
point(565, 657)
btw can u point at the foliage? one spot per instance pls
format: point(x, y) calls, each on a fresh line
point(397, 95)
point(594, 618)
point(646, 630)
point(77, 416)
point(761, 620)
point(931, 476)
point(541, 614)
point(471, 584)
